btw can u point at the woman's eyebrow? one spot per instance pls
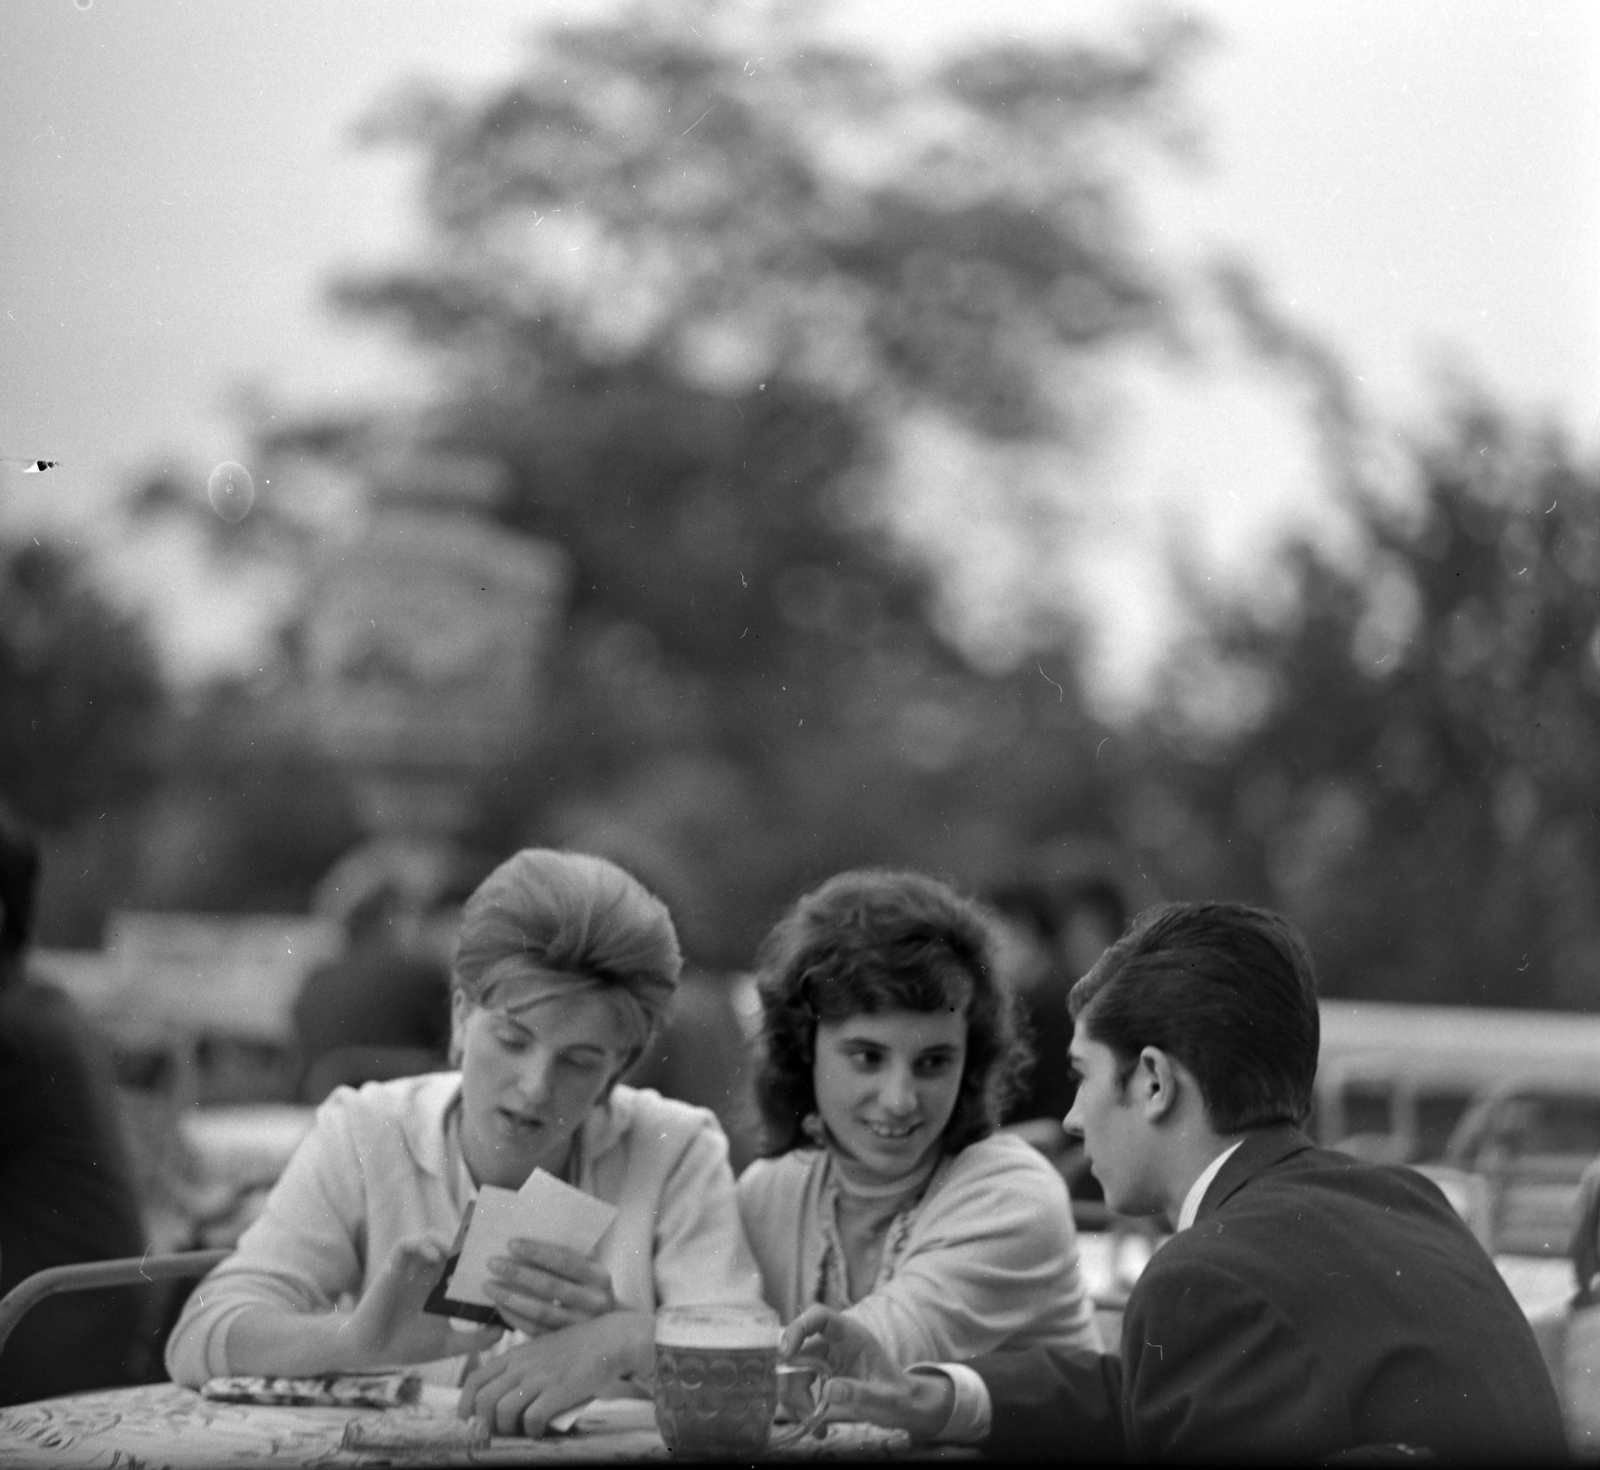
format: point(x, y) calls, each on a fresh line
point(568, 1048)
point(510, 1018)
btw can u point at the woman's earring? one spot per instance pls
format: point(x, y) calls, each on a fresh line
point(811, 1125)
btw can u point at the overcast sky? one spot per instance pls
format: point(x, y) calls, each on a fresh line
point(1420, 179)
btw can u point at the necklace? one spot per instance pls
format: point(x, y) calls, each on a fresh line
point(876, 1218)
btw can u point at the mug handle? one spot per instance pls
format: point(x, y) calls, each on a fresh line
point(796, 1432)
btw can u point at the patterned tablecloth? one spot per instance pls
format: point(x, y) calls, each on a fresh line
point(164, 1427)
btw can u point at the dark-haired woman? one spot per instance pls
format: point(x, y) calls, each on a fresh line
point(888, 1059)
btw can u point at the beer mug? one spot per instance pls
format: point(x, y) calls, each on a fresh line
point(718, 1377)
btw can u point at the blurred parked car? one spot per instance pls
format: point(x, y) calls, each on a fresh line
point(1501, 1108)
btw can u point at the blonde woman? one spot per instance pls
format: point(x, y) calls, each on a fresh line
point(565, 968)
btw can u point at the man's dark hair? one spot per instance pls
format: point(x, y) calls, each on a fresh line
point(1226, 989)
point(868, 941)
point(19, 881)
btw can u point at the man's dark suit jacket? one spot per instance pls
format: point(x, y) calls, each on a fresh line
point(1317, 1305)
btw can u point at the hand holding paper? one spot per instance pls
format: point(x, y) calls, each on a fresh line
point(543, 1288)
point(550, 1281)
point(386, 1326)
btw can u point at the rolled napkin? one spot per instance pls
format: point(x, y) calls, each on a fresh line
point(410, 1430)
point(326, 1391)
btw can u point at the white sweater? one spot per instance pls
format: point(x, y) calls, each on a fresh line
point(988, 1259)
point(377, 1167)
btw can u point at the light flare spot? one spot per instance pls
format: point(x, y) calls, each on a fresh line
point(231, 491)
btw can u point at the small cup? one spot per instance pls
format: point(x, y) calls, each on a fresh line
point(717, 1381)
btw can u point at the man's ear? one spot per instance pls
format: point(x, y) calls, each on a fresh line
point(1155, 1080)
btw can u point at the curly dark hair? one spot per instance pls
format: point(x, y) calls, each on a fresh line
point(868, 941)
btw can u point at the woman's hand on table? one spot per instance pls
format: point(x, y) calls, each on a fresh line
point(867, 1384)
point(520, 1390)
point(543, 1288)
point(388, 1325)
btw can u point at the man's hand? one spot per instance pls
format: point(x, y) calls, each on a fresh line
point(868, 1384)
point(521, 1390)
point(388, 1325)
point(542, 1288)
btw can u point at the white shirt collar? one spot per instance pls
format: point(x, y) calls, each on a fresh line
point(429, 1100)
point(1197, 1190)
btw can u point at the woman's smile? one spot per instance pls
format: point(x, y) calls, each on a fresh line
point(886, 1083)
point(891, 1132)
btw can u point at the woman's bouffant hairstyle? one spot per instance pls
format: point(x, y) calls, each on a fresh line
point(870, 941)
point(575, 914)
point(1227, 989)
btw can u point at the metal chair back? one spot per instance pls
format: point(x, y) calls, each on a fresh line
point(95, 1275)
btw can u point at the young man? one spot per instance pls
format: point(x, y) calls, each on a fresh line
point(1306, 1306)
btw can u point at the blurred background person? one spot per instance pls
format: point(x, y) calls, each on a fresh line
point(703, 1056)
point(1056, 920)
point(889, 1195)
point(703, 1052)
point(66, 1187)
point(386, 993)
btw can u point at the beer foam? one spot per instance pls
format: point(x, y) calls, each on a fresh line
point(717, 1328)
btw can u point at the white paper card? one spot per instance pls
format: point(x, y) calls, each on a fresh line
point(543, 1209)
point(567, 1216)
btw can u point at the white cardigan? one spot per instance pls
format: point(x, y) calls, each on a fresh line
point(377, 1167)
point(987, 1260)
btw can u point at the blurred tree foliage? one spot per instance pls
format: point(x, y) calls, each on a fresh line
point(80, 691)
point(209, 798)
point(1421, 787)
point(251, 813)
point(689, 274)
